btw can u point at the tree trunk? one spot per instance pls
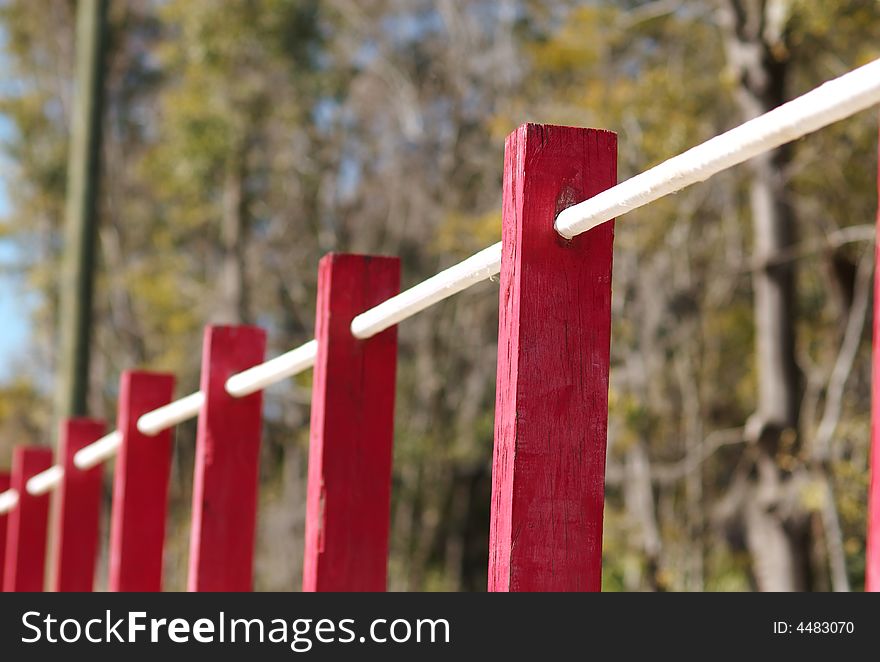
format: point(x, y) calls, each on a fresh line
point(639, 498)
point(776, 527)
point(233, 300)
point(83, 172)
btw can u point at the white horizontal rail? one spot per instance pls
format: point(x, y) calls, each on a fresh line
point(259, 377)
point(46, 480)
point(443, 285)
point(839, 98)
point(8, 500)
point(828, 103)
point(167, 416)
point(98, 451)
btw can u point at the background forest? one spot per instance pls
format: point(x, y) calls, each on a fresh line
point(244, 139)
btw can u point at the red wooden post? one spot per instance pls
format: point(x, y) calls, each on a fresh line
point(227, 465)
point(872, 544)
point(548, 473)
point(352, 430)
point(79, 509)
point(27, 525)
point(140, 486)
point(4, 485)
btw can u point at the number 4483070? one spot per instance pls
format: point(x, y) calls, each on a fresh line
point(825, 627)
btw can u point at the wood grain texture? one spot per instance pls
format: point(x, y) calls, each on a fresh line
point(140, 486)
point(548, 472)
point(352, 430)
point(872, 543)
point(227, 465)
point(4, 519)
point(27, 524)
point(75, 542)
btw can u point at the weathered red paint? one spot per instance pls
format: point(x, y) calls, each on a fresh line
point(26, 531)
point(227, 465)
point(4, 518)
point(548, 473)
point(872, 543)
point(75, 542)
point(140, 486)
point(352, 430)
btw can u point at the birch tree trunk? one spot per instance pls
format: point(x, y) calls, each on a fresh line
point(776, 527)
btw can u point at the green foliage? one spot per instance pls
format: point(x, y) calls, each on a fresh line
point(379, 127)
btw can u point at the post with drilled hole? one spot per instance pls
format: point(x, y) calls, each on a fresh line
point(75, 543)
point(551, 410)
point(4, 518)
point(872, 543)
point(27, 524)
point(352, 430)
point(140, 486)
point(227, 465)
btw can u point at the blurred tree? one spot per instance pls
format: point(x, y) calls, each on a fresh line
point(756, 40)
point(83, 175)
point(242, 144)
point(775, 503)
point(38, 52)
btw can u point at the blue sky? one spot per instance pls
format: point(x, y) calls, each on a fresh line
point(14, 314)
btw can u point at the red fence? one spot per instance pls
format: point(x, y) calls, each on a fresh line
point(550, 422)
